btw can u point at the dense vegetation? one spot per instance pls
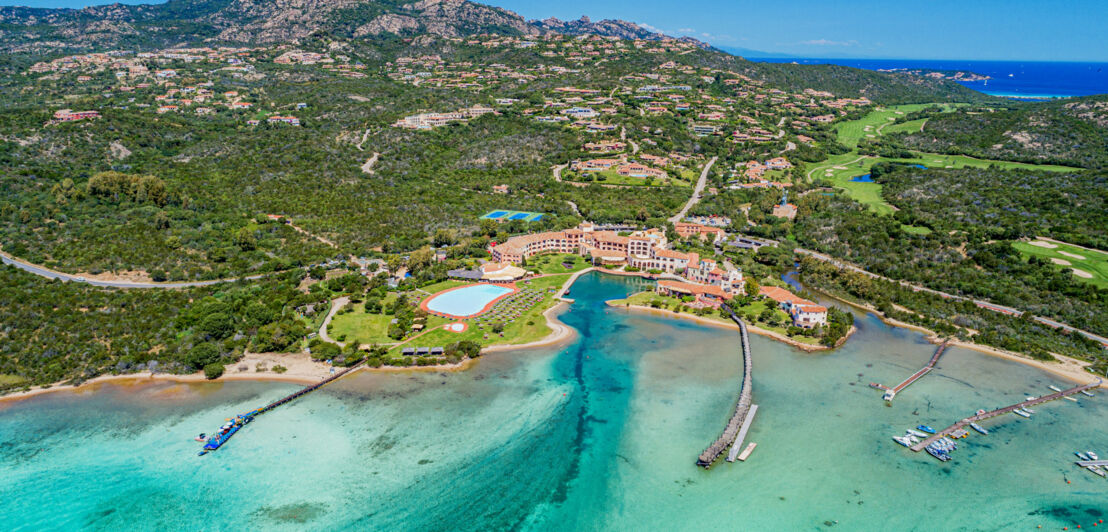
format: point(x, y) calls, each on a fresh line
point(1072, 133)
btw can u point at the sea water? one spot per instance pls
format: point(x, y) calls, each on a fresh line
point(600, 434)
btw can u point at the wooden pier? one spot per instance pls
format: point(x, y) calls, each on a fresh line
point(742, 408)
point(890, 393)
point(1000, 411)
point(1087, 463)
point(249, 416)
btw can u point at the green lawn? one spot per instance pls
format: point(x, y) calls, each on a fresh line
point(840, 169)
point(518, 331)
point(1091, 262)
point(915, 230)
point(755, 308)
point(552, 263)
point(444, 285)
point(366, 328)
point(11, 381)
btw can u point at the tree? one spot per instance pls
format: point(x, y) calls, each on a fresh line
point(445, 237)
point(752, 287)
point(213, 371)
point(244, 239)
point(216, 325)
point(202, 354)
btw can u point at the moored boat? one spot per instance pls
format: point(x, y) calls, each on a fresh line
point(903, 440)
point(1086, 393)
point(926, 429)
point(978, 428)
point(1019, 412)
point(1092, 455)
point(916, 433)
point(943, 457)
point(1055, 388)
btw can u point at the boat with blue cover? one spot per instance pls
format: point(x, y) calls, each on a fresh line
point(926, 429)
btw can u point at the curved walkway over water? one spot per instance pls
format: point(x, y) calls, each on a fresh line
point(742, 408)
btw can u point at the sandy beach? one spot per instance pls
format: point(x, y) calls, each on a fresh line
point(1068, 368)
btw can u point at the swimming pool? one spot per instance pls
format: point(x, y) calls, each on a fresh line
point(466, 301)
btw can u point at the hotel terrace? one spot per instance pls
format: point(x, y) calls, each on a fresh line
point(645, 250)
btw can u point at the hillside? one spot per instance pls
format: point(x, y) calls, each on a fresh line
point(1072, 132)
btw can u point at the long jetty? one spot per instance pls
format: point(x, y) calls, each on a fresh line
point(890, 393)
point(219, 440)
point(305, 391)
point(1001, 411)
point(742, 408)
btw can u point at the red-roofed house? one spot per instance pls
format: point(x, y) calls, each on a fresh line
point(804, 313)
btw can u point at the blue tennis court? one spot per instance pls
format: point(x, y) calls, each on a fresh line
point(514, 215)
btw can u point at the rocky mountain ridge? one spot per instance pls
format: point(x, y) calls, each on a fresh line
point(272, 21)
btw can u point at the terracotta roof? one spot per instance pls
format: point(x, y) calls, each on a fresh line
point(693, 288)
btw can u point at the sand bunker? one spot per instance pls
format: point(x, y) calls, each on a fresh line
point(1072, 255)
point(1082, 273)
point(1061, 262)
point(1041, 244)
point(840, 167)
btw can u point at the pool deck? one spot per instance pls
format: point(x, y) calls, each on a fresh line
point(424, 304)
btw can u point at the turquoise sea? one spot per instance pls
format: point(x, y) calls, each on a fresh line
point(600, 434)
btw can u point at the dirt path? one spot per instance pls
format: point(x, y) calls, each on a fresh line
point(313, 235)
point(336, 306)
point(368, 166)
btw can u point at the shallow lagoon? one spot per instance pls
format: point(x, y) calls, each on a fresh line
point(601, 434)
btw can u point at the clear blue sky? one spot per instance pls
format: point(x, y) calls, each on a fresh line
point(1029, 30)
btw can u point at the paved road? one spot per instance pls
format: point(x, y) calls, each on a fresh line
point(696, 192)
point(558, 172)
point(573, 206)
point(980, 303)
point(52, 274)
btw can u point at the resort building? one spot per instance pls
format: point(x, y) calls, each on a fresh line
point(703, 232)
point(706, 295)
point(645, 250)
point(804, 313)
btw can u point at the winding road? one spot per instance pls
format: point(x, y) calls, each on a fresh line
point(700, 183)
point(43, 271)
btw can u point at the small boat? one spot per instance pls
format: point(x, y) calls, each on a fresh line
point(981, 411)
point(1031, 397)
point(1055, 388)
point(1086, 393)
point(201, 437)
point(1021, 413)
point(903, 440)
point(1092, 455)
point(1028, 410)
point(1097, 471)
point(943, 457)
point(201, 453)
point(1068, 398)
point(1084, 457)
point(916, 433)
point(926, 429)
point(978, 428)
point(746, 452)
